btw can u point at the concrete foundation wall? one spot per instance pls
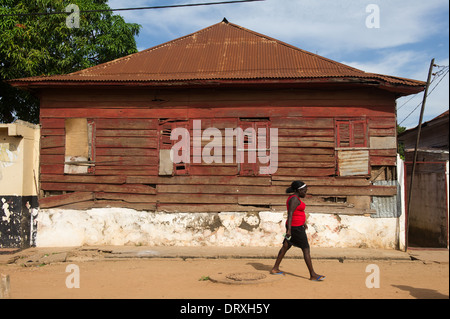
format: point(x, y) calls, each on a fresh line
point(120, 226)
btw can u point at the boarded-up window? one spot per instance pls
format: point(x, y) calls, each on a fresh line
point(166, 165)
point(351, 147)
point(353, 162)
point(78, 146)
point(252, 148)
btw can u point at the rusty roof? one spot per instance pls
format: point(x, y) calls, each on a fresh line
point(223, 51)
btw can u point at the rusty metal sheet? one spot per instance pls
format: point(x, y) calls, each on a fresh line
point(223, 51)
point(386, 206)
point(353, 162)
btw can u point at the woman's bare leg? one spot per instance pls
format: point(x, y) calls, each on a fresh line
point(307, 257)
point(281, 254)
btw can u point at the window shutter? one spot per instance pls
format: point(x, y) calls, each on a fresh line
point(246, 168)
point(351, 138)
point(351, 133)
point(359, 134)
point(251, 164)
point(343, 134)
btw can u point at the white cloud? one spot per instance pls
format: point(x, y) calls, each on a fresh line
point(400, 63)
point(323, 25)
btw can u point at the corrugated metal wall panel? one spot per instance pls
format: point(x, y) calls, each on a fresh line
point(386, 206)
point(353, 162)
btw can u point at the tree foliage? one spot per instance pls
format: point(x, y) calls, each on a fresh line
point(400, 145)
point(35, 45)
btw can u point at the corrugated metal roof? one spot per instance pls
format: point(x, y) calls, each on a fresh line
point(223, 51)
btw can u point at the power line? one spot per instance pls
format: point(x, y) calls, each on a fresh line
point(406, 102)
point(129, 9)
point(439, 73)
point(417, 106)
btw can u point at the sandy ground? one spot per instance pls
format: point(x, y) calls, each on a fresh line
point(156, 278)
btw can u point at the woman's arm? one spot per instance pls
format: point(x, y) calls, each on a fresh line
point(293, 203)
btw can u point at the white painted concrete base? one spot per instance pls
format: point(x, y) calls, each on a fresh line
point(122, 226)
point(343, 231)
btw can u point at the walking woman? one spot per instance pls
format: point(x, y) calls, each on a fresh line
point(295, 229)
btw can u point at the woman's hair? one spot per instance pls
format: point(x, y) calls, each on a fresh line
point(294, 186)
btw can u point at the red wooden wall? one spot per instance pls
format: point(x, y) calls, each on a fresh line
point(126, 147)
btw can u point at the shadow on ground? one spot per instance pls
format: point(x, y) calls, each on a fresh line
point(422, 293)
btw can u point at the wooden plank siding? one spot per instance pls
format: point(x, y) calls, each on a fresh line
point(126, 147)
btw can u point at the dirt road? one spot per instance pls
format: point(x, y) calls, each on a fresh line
point(188, 278)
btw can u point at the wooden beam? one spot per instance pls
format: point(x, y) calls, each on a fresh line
point(207, 208)
point(197, 199)
point(201, 180)
point(361, 190)
point(326, 181)
point(59, 200)
point(83, 179)
point(126, 197)
point(91, 187)
point(220, 189)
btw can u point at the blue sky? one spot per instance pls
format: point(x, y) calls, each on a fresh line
point(410, 33)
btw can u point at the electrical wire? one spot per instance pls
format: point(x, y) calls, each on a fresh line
point(437, 74)
point(129, 9)
point(417, 106)
point(415, 95)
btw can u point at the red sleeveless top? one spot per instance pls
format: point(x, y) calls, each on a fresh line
point(298, 217)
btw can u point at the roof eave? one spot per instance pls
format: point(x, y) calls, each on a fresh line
point(400, 89)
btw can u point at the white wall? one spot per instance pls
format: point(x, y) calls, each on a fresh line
point(122, 226)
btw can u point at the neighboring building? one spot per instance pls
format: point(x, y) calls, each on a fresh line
point(428, 221)
point(433, 139)
point(105, 142)
point(19, 167)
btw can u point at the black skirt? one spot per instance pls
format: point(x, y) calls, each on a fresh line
point(298, 237)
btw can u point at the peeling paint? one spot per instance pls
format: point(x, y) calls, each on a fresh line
point(15, 228)
point(5, 208)
point(121, 226)
point(9, 154)
point(326, 230)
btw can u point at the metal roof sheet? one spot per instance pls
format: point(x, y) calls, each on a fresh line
point(223, 51)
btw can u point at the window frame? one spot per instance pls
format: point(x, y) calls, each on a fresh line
point(165, 144)
point(81, 164)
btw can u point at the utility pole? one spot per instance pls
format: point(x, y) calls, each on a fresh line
point(419, 128)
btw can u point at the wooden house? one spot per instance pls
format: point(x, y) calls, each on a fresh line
point(106, 130)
